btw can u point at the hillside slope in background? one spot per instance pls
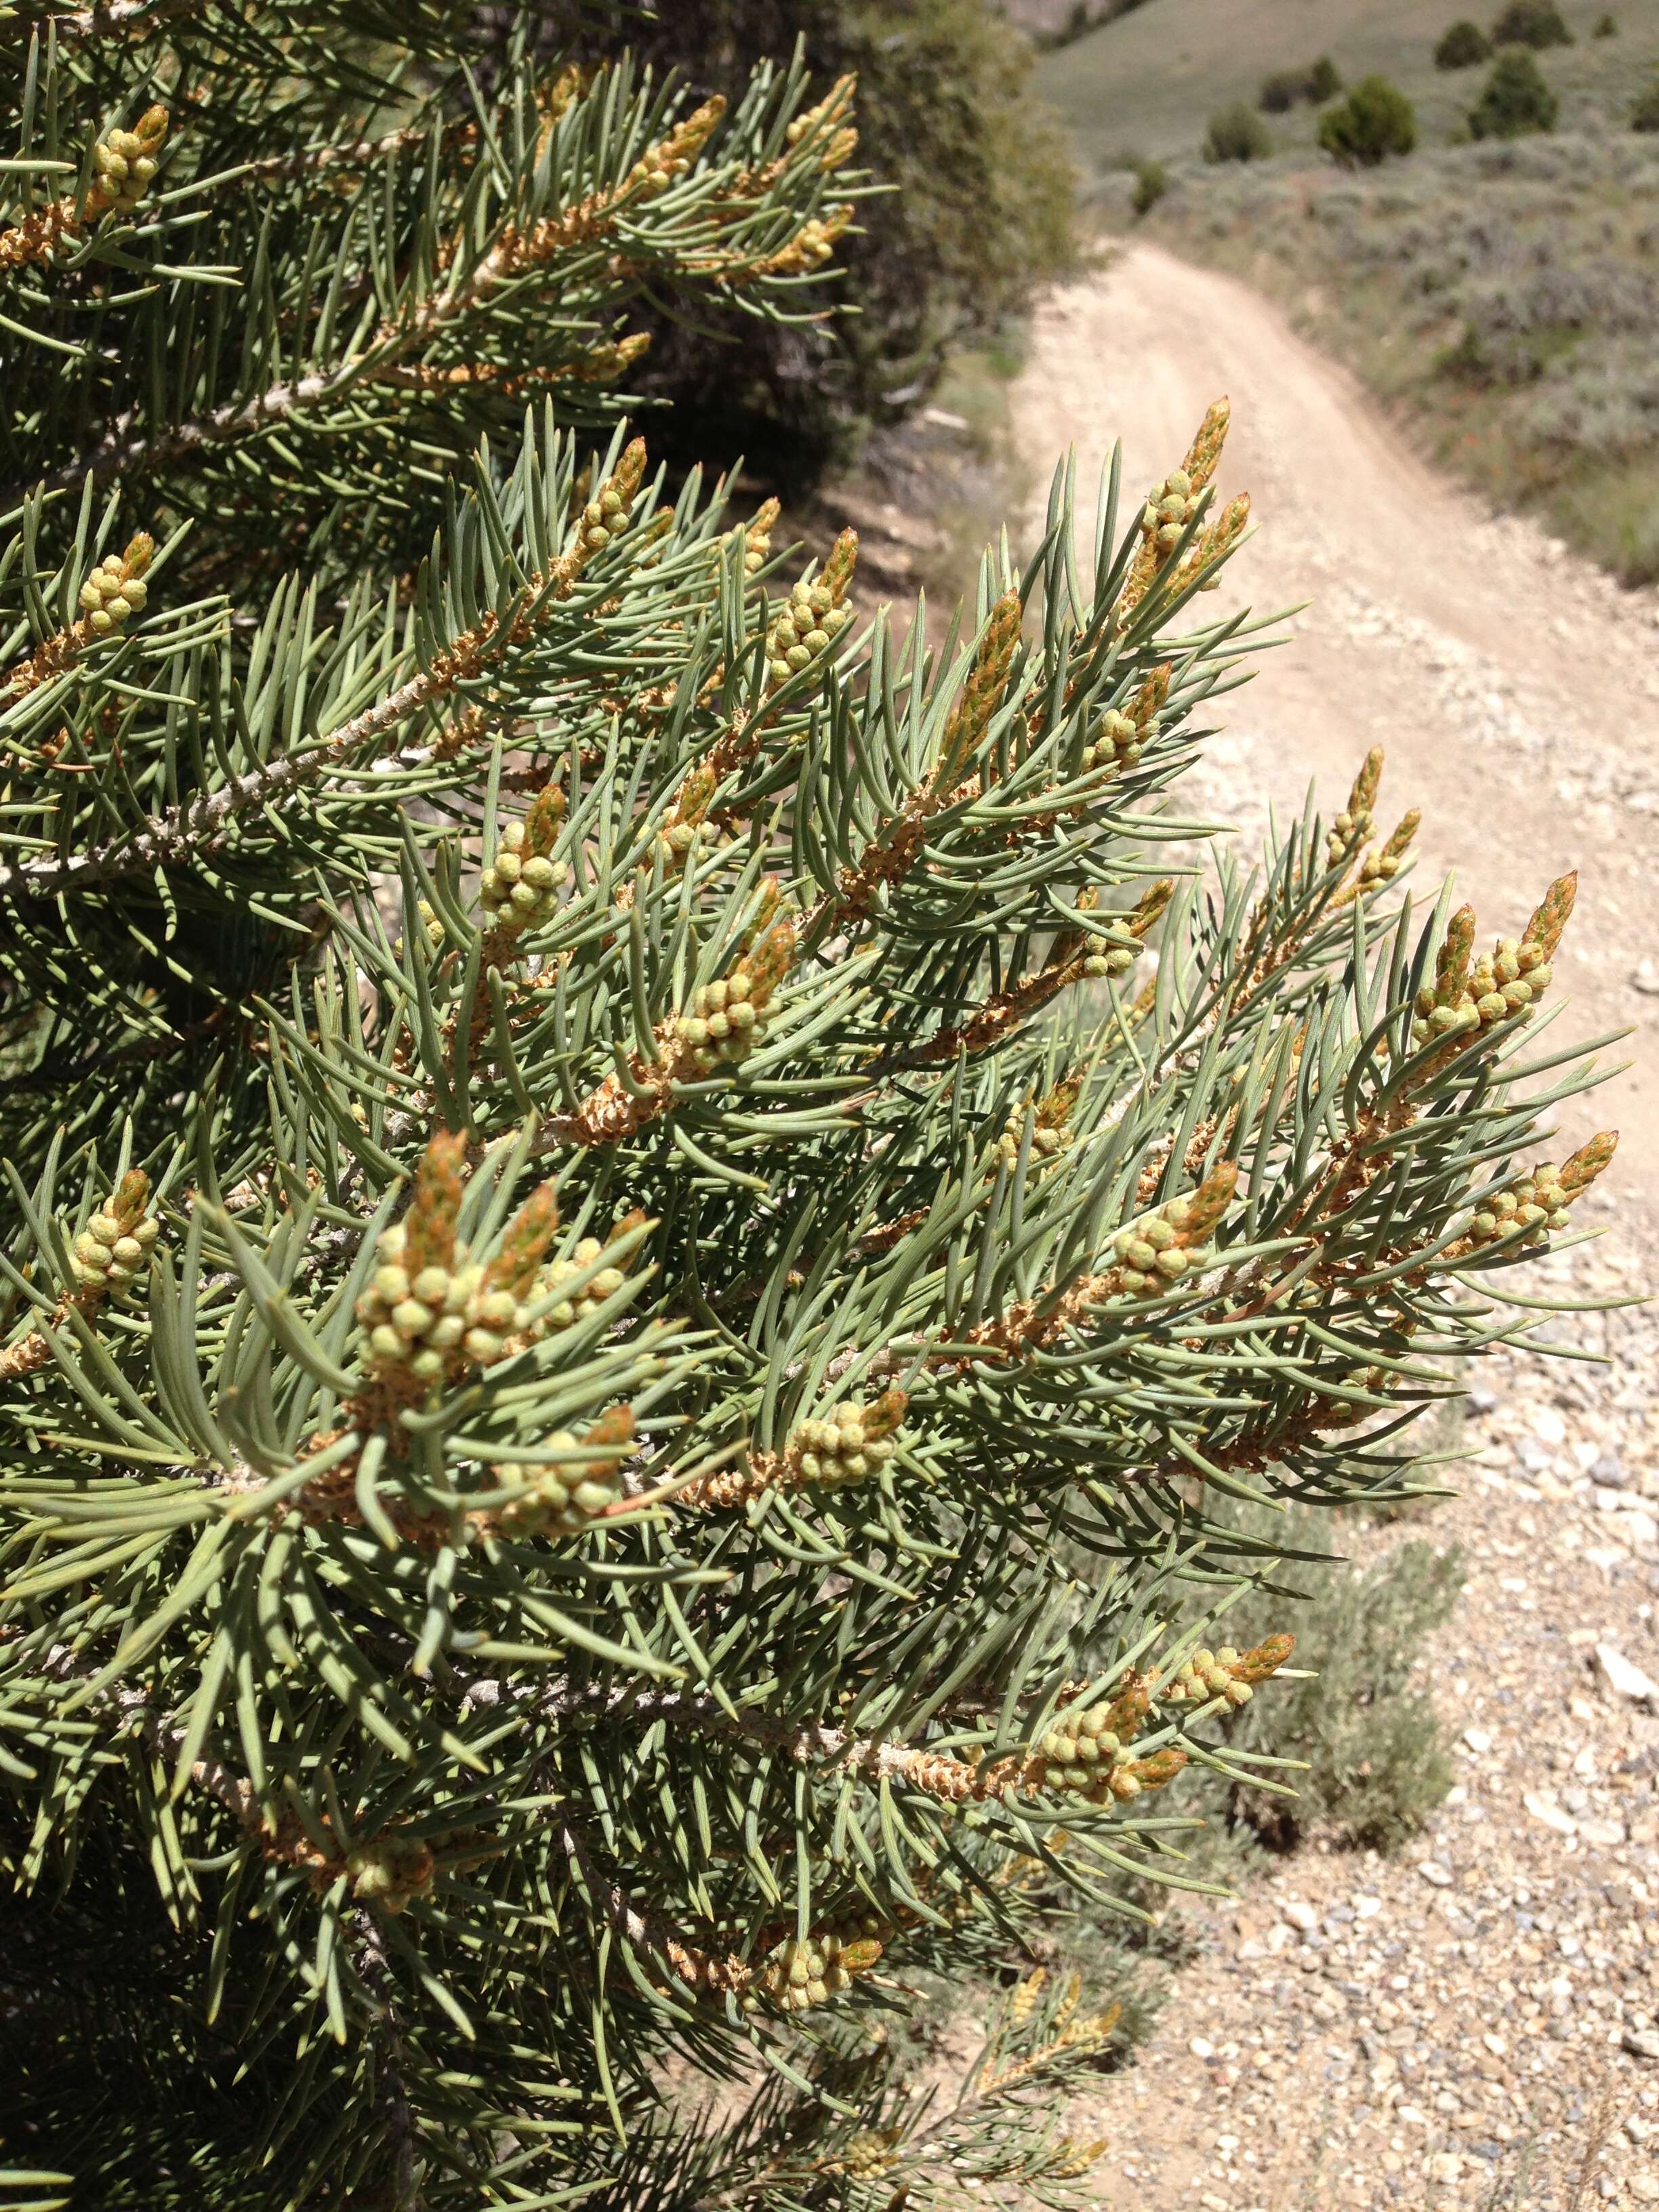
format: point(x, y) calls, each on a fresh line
point(1047, 19)
point(1146, 84)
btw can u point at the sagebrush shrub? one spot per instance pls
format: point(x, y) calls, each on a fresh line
point(1604, 403)
point(1375, 1754)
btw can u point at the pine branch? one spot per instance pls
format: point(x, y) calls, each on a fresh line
point(194, 829)
point(593, 1217)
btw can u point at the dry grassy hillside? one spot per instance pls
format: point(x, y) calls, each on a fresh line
point(1146, 84)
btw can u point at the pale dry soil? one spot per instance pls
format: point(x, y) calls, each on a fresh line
point(1475, 2022)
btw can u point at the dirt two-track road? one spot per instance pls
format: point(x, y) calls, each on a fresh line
point(1515, 690)
point(1469, 2025)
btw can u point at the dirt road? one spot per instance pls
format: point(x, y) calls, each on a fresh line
point(1469, 2024)
point(1516, 690)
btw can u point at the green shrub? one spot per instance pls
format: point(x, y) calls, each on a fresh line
point(1607, 26)
point(1376, 1752)
point(1531, 24)
point(1645, 115)
point(1464, 45)
point(1280, 92)
point(1516, 100)
point(1324, 81)
point(1375, 120)
point(1237, 133)
point(1152, 182)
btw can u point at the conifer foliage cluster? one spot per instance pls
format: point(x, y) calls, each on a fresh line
point(650, 1235)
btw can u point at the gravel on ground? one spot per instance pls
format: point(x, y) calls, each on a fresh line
point(1473, 2022)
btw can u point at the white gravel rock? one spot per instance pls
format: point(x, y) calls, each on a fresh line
point(1546, 1810)
point(1624, 1678)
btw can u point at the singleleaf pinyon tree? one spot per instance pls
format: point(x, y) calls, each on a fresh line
point(646, 1256)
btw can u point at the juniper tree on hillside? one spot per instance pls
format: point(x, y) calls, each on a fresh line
point(635, 1308)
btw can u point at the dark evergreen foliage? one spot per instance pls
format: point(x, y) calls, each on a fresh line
point(1374, 121)
point(631, 1334)
point(1464, 46)
point(980, 214)
point(1537, 23)
point(1517, 99)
